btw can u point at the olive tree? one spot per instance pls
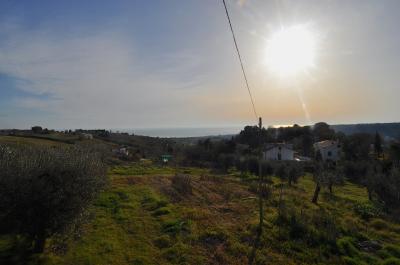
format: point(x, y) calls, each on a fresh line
point(44, 191)
point(326, 174)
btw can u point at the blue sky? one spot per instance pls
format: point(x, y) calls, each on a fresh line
point(130, 64)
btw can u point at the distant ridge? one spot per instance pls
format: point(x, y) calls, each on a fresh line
point(388, 130)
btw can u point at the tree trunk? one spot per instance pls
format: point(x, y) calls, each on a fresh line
point(280, 201)
point(316, 193)
point(331, 188)
point(369, 194)
point(290, 182)
point(40, 242)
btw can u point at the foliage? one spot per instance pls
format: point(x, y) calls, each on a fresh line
point(356, 147)
point(45, 191)
point(367, 210)
point(346, 247)
point(322, 131)
point(391, 261)
point(182, 183)
point(378, 144)
point(387, 188)
point(355, 171)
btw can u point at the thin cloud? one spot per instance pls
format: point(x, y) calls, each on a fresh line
point(96, 78)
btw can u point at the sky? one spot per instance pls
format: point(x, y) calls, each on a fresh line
point(158, 64)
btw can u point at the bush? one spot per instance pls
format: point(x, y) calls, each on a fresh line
point(346, 247)
point(353, 261)
point(182, 184)
point(297, 228)
point(44, 191)
point(379, 224)
point(393, 250)
point(391, 261)
point(161, 211)
point(266, 189)
point(355, 171)
point(213, 237)
point(175, 227)
point(387, 188)
point(177, 254)
point(367, 210)
point(163, 241)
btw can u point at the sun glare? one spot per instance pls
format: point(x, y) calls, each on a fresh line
point(291, 51)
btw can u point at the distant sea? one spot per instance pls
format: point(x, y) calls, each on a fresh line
point(182, 132)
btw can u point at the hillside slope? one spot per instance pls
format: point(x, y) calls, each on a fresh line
point(150, 219)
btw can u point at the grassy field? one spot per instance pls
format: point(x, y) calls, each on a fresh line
point(142, 218)
point(28, 140)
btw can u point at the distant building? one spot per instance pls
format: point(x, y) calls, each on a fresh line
point(279, 151)
point(86, 136)
point(329, 149)
point(121, 152)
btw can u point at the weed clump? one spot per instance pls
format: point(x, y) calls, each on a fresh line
point(393, 250)
point(353, 261)
point(367, 210)
point(213, 237)
point(379, 224)
point(391, 261)
point(163, 242)
point(346, 247)
point(182, 184)
point(161, 211)
point(176, 254)
point(175, 227)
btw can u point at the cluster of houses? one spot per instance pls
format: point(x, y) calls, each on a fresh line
point(329, 150)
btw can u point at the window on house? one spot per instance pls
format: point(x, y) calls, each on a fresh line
point(329, 153)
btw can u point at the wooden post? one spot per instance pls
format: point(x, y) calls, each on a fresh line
point(261, 179)
point(260, 194)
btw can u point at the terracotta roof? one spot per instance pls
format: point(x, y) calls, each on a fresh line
point(326, 143)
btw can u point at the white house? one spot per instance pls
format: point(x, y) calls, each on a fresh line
point(122, 151)
point(279, 151)
point(329, 149)
point(86, 136)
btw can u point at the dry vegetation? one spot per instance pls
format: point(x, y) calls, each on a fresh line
point(199, 218)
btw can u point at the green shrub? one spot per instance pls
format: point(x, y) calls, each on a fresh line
point(391, 261)
point(237, 249)
point(367, 210)
point(213, 237)
point(152, 203)
point(346, 247)
point(163, 241)
point(176, 254)
point(379, 224)
point(382, 253)
point(161, 211)
point(182, 184)
point(353, 261)
point(393, 250)
point(297, 228)
point(175, 227)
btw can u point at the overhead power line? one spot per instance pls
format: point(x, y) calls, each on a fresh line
point(240, 60)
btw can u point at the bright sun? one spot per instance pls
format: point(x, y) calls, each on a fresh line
point(291, 51)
